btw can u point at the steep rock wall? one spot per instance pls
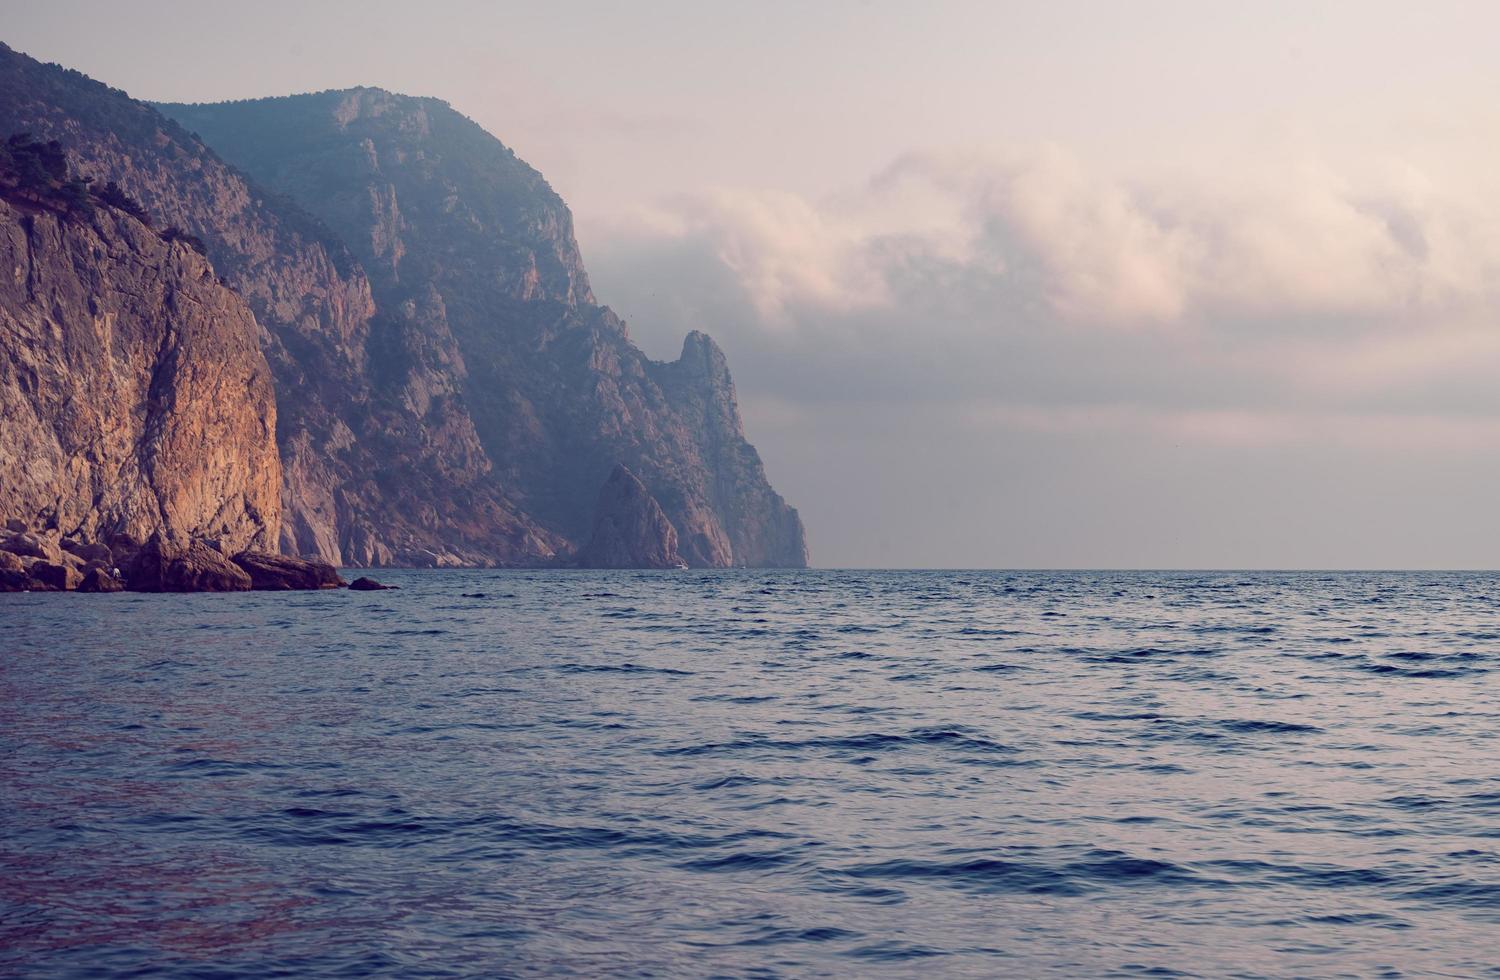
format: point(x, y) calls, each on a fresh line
point(133, 393)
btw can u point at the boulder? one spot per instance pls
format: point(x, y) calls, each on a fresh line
point(53, 576)
point(29, 545)
point(15, 524)
point(98, 579)
point(170, 566)
point(363, 584)
point(282, 572)
point(11, 563)
point(91, 551)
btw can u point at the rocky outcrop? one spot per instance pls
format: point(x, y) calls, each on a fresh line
point(133, 393)
point(32, 561)
point(97, 579)
point(281, 572)
point(630, 528)
point(167, 565)
point(365, 584)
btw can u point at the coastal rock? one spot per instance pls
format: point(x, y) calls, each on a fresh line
point(98, 579)
point(447, 389)
point(53, 576)
point(88, 551)
point(29, 545)
point(123, 548)
point(13, 576)
point(117, 351)
point(281, 572)
point(363, 584)
point(630, 530)
point(170, 566)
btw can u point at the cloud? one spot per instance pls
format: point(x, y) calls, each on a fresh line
point(1014, 358)
point(1042, 233)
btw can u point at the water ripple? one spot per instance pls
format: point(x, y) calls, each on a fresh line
point(739, 773)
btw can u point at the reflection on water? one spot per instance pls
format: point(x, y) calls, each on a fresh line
point(748, 773)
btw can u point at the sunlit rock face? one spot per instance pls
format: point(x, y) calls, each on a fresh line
point(134, 397)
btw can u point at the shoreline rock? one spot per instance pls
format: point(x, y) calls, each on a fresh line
point(630, 530)
point(45, 561)
point(280, 573)
point(169, 566)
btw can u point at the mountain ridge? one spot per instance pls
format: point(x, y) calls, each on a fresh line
point(449, 391)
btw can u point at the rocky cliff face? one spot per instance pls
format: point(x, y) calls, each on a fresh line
point(448, 391)
point(381, 466)
point(449, 221)
point(133, 393)
point(630, 529)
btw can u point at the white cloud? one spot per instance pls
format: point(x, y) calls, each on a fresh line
point(1290, 239)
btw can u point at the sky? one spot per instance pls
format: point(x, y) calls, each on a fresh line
point(1142, 285)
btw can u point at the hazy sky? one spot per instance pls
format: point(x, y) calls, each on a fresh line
point(1057, 284)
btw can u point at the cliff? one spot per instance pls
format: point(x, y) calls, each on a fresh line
point(133, 393)
point(449, 222)
point(380, 466)
point(630, 529)
point(448, 391)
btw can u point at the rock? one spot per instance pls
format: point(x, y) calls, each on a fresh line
point(53, 576)
point(13, 574)
point(98, 579)
point(551, 384)
point(630, 531)
point(15, 524)
point(91, 551)
point(117, 353)
point(439, 359)
point(166, 566)
point(29, 545)
point(363, 584)
point(72, 561)
point(280, 572)
point(123, 549)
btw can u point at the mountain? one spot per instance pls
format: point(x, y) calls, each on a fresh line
point(365, 479)
point(134, 396)
point(447, 390)
point(478, 251)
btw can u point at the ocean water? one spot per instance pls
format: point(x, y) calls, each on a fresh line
point(751, 774)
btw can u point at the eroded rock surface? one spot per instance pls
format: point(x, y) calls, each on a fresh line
point(133, 393)
point(630, 529)
point(166, 565)
point(281, 572)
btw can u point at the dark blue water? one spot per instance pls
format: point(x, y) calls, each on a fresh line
point(751, 774)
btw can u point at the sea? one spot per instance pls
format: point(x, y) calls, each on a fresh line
point(743, 773)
